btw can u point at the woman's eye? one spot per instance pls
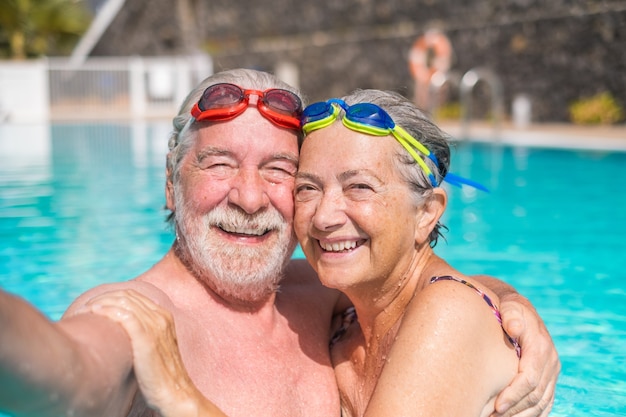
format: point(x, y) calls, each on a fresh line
point(304, 192)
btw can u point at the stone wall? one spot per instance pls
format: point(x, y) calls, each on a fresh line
point(555, 52)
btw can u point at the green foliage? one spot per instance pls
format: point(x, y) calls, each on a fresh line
point(600, 109)
point(32, 28)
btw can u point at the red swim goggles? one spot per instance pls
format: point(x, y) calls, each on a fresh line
point(226, 101)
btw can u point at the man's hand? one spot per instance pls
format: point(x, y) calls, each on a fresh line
point(531, 393)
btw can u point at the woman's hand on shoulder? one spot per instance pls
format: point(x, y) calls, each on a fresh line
point(158, 365)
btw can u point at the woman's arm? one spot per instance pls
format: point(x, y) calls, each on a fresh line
point(533, 389)
point(449, 358)
point(159, 368)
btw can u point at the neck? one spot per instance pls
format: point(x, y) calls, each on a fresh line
point(381, 306)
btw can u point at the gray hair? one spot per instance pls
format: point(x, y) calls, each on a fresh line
point(405, 114)
point(185, 130)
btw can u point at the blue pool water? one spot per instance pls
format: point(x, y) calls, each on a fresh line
point(83, 204)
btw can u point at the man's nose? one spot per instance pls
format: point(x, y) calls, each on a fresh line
point(248, 191)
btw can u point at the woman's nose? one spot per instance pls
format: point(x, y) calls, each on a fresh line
point(330, 212)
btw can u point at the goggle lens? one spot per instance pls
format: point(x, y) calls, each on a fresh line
point(370, 114)
point(283, 101)
point(220, 96)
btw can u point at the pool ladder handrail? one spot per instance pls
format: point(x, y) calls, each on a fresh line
point(466, 85)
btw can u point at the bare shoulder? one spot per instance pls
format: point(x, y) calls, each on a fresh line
point(448, 337)
point(144, 287)
point(460, 316)
point(458, 300)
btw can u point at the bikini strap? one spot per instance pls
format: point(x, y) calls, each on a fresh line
point(348, 317)
point(496, 312)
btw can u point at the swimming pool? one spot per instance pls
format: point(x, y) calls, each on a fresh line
point(82, 204)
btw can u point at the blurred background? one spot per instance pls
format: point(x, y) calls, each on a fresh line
point(546, 58)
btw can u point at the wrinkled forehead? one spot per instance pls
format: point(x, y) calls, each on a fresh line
point(249, 131)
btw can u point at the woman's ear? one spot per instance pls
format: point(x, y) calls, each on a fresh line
point(429, 214)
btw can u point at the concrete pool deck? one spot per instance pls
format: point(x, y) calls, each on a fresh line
point(551, 135)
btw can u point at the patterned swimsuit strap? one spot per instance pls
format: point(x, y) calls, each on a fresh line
point(348, 317)
point(496, 312)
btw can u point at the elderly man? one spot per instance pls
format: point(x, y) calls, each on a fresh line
point(253, 327)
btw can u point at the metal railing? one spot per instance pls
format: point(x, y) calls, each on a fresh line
point(99, 88)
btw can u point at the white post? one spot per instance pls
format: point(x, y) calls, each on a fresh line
point(24, 91)
point(182, 70)
point(137, 87)
point(288, 72)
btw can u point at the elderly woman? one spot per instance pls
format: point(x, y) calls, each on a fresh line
point(428, 340)
point(368, 203)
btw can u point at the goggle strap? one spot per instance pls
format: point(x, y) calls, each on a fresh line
point(410, 139)
point(417, 158)
point(459, 181)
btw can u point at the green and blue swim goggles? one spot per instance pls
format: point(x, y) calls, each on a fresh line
point(371, 119)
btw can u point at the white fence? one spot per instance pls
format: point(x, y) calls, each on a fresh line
point(100, 88)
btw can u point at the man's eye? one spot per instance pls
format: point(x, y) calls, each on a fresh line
point(279, 172)
point(217, 167)
point(361, 186)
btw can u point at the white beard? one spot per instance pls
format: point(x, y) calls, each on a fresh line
point(247, 273)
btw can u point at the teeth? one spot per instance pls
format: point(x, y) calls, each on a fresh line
point(242, 230)
point(338, 246)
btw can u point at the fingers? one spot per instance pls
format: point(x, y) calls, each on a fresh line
point(125, 299)
point(513, 320)
point(147, 324)
point(537, 401)
point(531, 393)
point(131, 309)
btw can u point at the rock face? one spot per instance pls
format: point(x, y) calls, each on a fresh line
point(553, 52)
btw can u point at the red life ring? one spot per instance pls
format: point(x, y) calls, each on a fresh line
point(431, 52)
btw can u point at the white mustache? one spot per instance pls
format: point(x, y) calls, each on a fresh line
point(235, 221)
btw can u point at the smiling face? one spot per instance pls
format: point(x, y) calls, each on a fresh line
point(233, 205)
point(355, 217)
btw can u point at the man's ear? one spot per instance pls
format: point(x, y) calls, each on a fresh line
point(429, 214)
point(169, 191)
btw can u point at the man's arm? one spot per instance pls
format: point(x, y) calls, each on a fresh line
point(501, 288)
point(78, 366)
point(532, 390)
